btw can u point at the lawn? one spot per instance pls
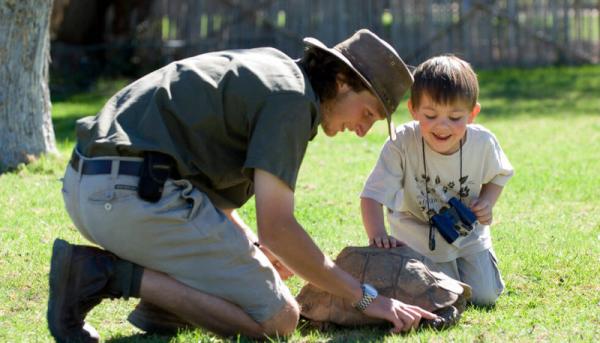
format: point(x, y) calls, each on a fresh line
point(546, 231)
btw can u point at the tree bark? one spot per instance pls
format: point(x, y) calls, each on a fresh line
point(25, 123)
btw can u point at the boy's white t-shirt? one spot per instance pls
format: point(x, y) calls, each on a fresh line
point(398, 183)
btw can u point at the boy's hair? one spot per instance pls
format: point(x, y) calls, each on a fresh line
point(322, 69)
point(445, 79)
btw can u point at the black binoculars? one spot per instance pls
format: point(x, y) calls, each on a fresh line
point(454, 220)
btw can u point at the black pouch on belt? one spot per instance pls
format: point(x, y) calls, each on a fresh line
point(156, 169)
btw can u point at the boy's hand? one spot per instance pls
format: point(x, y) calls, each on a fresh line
point(483, 210)
point(482, 206)
point(385, 241)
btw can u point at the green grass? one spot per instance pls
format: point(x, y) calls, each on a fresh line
point(546, 231)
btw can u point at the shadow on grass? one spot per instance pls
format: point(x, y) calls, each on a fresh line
point(343, 335)
point(334, 334)
point(141, 337)
point(365, 333)
point(187, 337)
point(482, 308)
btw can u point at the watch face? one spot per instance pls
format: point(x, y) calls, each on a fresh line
point(370, 290)
point(369, 294)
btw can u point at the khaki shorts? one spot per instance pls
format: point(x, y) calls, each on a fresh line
point(182, 235)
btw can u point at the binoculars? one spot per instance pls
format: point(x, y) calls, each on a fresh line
point(454, 220)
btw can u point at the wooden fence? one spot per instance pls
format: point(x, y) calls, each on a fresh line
point(485, 32)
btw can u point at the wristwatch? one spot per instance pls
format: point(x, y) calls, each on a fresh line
point(369, 294)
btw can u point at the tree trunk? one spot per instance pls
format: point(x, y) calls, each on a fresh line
point(25, 124)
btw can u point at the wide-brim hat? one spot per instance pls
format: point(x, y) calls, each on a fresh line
point(377, 64)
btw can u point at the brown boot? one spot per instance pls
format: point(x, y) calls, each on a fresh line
point(80, 277)
point(154, 320)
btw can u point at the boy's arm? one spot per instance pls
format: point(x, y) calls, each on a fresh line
point(372, 216)
point(482, 206)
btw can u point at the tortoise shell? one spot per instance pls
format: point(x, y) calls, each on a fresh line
point(400, 273)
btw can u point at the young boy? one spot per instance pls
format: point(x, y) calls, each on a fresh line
point(439, 156)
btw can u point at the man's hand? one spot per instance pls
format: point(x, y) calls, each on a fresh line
point(283, 271)
point(404, 317)
point(385, 241)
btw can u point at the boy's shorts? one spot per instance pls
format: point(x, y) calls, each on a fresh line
point(182, 235)
point(480, 271)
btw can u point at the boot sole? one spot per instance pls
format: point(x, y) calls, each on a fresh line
point(59, 272)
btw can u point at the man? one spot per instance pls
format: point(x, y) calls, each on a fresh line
point(158, 173)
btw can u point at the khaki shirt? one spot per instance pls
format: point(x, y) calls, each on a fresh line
point(220, 115)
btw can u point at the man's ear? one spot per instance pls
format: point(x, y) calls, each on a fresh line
point(341, 83)
point(411, 109)
point(474, 112)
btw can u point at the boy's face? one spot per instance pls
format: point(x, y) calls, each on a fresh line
point(350, 110)
point(443, 125)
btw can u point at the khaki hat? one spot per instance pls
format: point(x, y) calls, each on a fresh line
point(377, 64)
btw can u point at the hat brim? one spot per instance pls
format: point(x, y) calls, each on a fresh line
point(310, 41)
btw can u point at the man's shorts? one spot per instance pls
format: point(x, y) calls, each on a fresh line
point(182, 235)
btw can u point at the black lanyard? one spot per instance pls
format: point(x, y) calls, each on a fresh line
point(431, 227)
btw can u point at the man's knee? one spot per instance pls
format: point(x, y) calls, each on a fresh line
point(284, 322)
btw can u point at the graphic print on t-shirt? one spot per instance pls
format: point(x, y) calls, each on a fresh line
point(438, 192)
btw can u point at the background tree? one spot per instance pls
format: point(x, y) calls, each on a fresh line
point(25, 124)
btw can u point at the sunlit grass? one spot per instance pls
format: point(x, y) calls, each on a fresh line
point(546, 231)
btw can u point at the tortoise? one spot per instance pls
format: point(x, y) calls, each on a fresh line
point(400, 273)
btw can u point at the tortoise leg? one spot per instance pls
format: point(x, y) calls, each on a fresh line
point(309, 324)
point(447, 317)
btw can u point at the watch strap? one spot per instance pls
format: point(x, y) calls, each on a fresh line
point(367, 297)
